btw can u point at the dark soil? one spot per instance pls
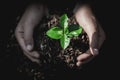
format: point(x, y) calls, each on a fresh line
point(51, 50)
point(53, 59)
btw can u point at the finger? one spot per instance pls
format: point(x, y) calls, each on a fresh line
point(94, 51)
point(31, 58)
point(94, 43)
point(35, 54)
point(79, 63)
point(83, 57)
point(28, 36)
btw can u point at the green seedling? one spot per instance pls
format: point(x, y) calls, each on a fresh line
point(64, 32)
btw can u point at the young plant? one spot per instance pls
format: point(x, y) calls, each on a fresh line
point(64, 32)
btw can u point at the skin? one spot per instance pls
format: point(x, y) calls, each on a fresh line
point(84, 16)
point(87, 20)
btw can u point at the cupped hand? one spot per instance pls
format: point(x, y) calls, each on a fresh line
point(25, 39)
point(96, 35)
point(24, 30)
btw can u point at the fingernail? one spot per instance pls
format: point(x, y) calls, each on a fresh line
point(29, 47)
point(96, 52)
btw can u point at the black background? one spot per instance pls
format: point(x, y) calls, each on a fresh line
point(104, 66)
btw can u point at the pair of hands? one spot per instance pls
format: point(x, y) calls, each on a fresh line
point(84, 16)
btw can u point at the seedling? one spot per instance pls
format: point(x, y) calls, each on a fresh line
point(64, 32)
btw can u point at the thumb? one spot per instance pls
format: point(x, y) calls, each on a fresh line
point(28, 37)
point(94, 51)
point(94, 43)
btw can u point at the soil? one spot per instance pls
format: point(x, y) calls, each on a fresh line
point(53, 59)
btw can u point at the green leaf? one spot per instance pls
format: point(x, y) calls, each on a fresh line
point(64, 41)
point(75, 30)
point(64, 21)
point(73, 27)
point(55, 33)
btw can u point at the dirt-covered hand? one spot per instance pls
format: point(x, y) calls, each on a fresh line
point(96, 35)
point(25, 28)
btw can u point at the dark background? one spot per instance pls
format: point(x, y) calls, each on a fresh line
point(104, 66)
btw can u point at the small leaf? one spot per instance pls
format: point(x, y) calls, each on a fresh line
point(64, 21)
point(73, 27)
point(66, 31)
point(55, 33)
point(64, 41)
point(75, 33)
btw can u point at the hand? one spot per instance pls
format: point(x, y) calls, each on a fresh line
point(25, 28)
point(87, 20)
point(25, 39)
